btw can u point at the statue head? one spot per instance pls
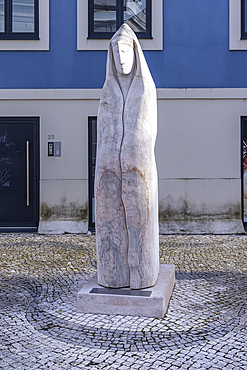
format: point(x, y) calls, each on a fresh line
point(123, 50)
point(125, 59)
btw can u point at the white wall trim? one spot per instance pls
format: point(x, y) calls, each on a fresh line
point(50, 94)
point(82, 29)
point(213, 93)
point(42, 43)
point(235, 42)
point(94, 94)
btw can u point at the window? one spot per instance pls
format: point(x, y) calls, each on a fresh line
point(40, 41)
point(237, 24)
point(244, 19)
point(96, 24)
point(92, 147)
point(106, 16)
point(19, 19)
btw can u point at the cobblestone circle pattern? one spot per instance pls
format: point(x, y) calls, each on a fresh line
point(205, 326)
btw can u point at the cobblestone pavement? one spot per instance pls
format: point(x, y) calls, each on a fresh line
point(205, 327)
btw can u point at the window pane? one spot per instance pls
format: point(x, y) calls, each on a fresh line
point(23, 15)
point(135, 14)
point(245, 16)
point(1, 15)
point(105, 16)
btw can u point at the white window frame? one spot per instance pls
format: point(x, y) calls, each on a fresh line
point(235, 42)
point(83, 43)
point(42, 43)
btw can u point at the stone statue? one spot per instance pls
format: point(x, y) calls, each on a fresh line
point(126, 193)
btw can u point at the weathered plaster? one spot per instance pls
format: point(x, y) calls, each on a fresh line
point(183, 209)
point(185, 217)
point(71, 211)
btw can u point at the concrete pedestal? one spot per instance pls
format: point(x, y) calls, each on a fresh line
point(150, 302)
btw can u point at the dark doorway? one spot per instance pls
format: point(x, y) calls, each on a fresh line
point(92, 148)
point(19, 174)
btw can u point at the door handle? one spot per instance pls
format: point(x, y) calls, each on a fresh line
point(28, 174)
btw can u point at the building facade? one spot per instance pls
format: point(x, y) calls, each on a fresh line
point(52, 60)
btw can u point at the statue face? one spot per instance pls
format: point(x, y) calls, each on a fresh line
point(123, 57)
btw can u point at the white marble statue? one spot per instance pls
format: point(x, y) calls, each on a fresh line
point(126, 191)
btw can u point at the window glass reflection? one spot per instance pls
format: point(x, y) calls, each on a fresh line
point(245, 16)
point(1, 15)
point(23, 15)
point(135, 14)
point(105, 16)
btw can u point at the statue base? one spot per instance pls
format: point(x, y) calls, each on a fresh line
point(150, 302)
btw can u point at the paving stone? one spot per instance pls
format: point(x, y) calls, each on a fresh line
point(205, 327)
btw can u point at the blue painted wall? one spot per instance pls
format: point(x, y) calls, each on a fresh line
point(196, 52)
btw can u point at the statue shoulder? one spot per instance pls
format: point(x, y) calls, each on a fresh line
point(110, 91)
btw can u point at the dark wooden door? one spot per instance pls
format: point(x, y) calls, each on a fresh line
point(19, 174)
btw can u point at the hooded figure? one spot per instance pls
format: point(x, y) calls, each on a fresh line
point(126, 193)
